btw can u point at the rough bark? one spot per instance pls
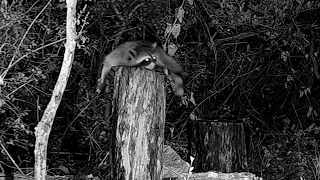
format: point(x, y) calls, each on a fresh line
point(140, 115)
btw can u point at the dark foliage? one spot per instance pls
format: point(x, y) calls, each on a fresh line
point(252, 61)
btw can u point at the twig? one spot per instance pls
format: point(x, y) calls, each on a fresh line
point(12, 160)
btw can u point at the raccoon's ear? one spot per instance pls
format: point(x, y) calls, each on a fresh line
point(154, 45)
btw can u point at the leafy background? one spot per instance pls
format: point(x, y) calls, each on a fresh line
point(254, 61)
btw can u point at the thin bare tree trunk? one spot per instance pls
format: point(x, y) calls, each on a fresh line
point(43, 129)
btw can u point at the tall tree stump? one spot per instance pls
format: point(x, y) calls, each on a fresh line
point(139, 111)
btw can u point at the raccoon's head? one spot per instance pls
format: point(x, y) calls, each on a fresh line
point(145, 56)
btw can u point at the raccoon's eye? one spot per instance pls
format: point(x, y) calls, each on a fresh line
point(150, 59)
point(154, 58)
point(147, 59)
point(145, 62)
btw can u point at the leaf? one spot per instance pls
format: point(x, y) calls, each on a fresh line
point(190, 2)
point(279, 145)
point(301, 93)
point(176, 30)
point(172, 29)
point(191, 159)
point(285, 55)
point(287, 121)
point(172, 48)
point(311, 126)
point(64, 169)
point(192, 116)
point(171, 131)
point(309, 4)
point(1, 81)
point(315, 113)
point(2, 102)
point(309, 111)
point(192, 99)
point(307, 90)
point(180, 14)
point(168, 29)
point(289, 78)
